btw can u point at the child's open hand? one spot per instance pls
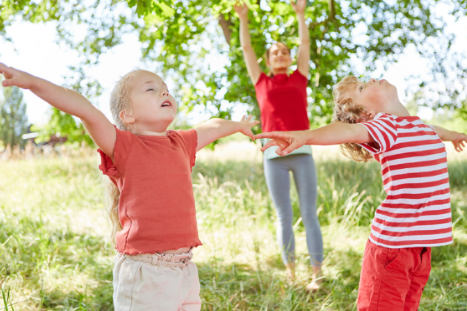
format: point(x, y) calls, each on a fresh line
point(15, 77)
point(286, 141)
point(246, 125)
point(459, 141)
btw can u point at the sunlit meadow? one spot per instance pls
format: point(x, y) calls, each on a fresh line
point(54, 253)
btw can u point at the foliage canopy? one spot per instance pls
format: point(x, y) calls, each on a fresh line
point(196, 43)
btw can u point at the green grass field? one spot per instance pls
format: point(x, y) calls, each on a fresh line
point(53, 234)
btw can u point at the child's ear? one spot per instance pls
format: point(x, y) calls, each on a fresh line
point(126, 117)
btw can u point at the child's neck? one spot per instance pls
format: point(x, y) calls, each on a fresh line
point(143, 131)
point(149, 133)
point(280, 71)
point(397, 109)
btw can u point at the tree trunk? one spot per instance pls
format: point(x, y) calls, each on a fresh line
point(332, 10)
point(225, 25)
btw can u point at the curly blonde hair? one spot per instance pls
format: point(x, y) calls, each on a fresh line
point(346, 110)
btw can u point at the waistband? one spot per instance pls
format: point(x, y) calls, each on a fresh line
point(163, 260)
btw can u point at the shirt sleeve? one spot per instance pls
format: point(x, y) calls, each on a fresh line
point(383, 129)
point(299, 76)
point(262, 76)
point(121, 150)
point(190, 139)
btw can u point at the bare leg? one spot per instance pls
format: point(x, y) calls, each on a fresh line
point(316, 279)
point(290, 272)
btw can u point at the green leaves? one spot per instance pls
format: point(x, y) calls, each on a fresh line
point(190, 45)
point(147, 7)
point(63, 124)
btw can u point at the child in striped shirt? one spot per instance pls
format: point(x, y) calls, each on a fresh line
point(416, 214)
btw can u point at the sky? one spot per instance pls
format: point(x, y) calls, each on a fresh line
point(35, 49)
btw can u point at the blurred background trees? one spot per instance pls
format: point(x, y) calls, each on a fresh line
point(13, 118)
point(196, 44)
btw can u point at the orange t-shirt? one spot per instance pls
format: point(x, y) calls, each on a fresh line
point(157, 206)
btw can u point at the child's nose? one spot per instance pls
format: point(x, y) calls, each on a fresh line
point(372, 80)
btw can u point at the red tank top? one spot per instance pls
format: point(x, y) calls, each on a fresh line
point(282, 102)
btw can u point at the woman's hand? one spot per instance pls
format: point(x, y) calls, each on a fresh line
point(285, 141)
point(242, 10)
point(245, 126)
point(299, 6)
point(15, 77)
point(459, 141)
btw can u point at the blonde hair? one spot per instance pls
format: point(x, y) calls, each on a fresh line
point(346, 110)
point(119, 100)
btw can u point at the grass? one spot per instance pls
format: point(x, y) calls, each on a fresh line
point(53, 234)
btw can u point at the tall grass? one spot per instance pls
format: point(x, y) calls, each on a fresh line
point(53, 233)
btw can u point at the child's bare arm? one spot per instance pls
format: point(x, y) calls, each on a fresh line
point(217, 128)
point(99, 127)
point(457, 139)
point(332, 134)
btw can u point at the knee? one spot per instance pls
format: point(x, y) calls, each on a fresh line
point(310, 218)
point(285, 215)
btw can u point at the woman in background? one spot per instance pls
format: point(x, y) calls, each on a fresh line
point(282, 101)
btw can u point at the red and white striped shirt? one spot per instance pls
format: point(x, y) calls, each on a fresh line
point(417, 209)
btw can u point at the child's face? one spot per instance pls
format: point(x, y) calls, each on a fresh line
point(153, 108)
point(279, 57)
point(375, 95)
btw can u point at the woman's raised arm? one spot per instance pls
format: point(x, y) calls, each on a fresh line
point(303, 58)
point(248, 53)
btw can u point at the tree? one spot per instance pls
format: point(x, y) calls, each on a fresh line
point(63, 124)
point(181, 36)
point(13, 118)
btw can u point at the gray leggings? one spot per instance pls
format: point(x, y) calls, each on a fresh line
point(278, 181)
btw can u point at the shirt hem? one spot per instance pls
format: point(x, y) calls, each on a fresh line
point(411, 245)
point(154, 251)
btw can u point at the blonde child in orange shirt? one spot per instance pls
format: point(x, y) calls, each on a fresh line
point(154, 214)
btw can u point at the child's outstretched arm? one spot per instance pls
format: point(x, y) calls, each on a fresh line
point(457, 139)
point(303, 57)
point(217, 128)
point(248, 53)
point(332, 134)
point(99, 127)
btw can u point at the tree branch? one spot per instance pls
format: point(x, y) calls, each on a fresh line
point(332, 10)
point(331, 17)
point(225, 25)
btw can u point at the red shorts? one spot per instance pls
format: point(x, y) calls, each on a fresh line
point(393, 278)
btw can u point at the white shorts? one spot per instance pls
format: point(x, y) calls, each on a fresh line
point(156, 283)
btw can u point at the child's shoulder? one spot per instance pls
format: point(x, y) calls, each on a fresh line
point(400, 120)
point(123, 133)
point(189, 136)
point(181, 133)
